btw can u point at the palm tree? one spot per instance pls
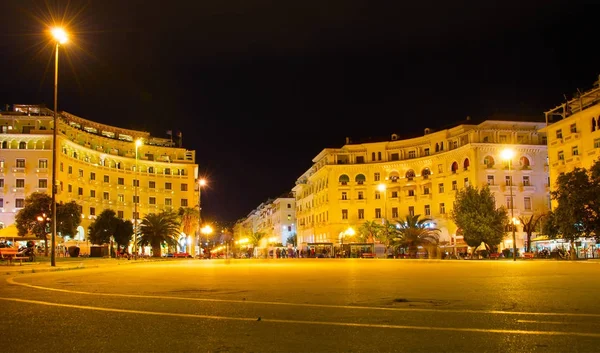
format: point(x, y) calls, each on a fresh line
point(415, 232)
point(368, 231)
point(388, 234)
point(157, 229)
point(189, 219)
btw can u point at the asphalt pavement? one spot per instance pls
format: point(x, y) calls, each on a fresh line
point(304, 305)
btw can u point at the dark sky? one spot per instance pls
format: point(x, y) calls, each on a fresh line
point(258, 88)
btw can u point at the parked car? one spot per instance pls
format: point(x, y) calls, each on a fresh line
point(182, 254)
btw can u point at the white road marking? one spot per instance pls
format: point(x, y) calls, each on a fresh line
point(306, 322)
point(545, 322)
point(306, 305)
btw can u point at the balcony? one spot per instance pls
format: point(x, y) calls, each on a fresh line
point(556, 142)
point(573, 136)
point(41, 170)
point(18, 170)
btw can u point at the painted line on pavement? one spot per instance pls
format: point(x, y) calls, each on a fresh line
point(547, 322)
point(306, 305)
point(306, 322)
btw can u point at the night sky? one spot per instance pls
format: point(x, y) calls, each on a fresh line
point(259, 88)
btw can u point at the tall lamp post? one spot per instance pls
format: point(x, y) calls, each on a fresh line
point(60, 37)
point(138, 144)
point(201, 184)
point(207, 230)
point(382, 188)
point(507, 155)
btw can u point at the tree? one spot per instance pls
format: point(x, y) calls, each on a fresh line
point(190, 218)
point(103, 227)
point(35, 217)
point(157, 229)
point(387, 234)
point(255, 238)
point(369, 230)
point(415, 232)
point(530, 223)
point(292, 239)
point(476, 214)
point(123, 233)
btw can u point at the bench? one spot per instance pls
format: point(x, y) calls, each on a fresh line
point(495, 255)
point(11, 254)
point(528, 255)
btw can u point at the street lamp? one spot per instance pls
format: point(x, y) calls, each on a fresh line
point(138, 143)
point(201, 184)
point(347, 233)
point(206, 230)
point(60, 37)
point(382, 188)
point(507, 154)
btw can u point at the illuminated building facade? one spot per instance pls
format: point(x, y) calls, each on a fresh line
point(374, 181)
point(96, 166)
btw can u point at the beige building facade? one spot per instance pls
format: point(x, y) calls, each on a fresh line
point(391, 179)
point(97, 167)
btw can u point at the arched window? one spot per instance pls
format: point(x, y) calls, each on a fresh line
point(394, 176)
point(454, 167)
point(437, 147)
point(489, 161)
point(378, 156)
point(344, 179)
point(360, 179)
point(441, 146)
point(466, 163)
point(4, 144)
point(373, 156)
point(593, 124)
point(22, 145)
point(524, 162)
point(410, 174)
point(426, 173)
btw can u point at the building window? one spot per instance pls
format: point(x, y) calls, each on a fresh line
point(411, 211)
point(395, 157)
point(490, 180)
point(377, 195)
point(454, 185)
point(427, 210)
point(559, 134)
point(378, 213)
point(378, 156)
point(597, 143)
point(92, 176)
point(426, 190)
point(43, 183)
point(152, 200)
point(168, 202)
point(106, 195)
point(466, 182)
point(344, 195)
point(61, 167)
point(289, 228)
point(361, 195)
point(43, 163)
point(80, 173)
point(20, 183)
point(136, 215)
point(106, 179)
point(394, 212)
point(121, 181)
point(184, 187)
point(168, 171)
point(373, 156)
point(412, 154)
point(92, 193)
point(80, 191)
point(573, 128)
point(69, 188)
point(344, 214)
point(361, 213)
point(441, 188)
point(509, 202)
point(20, 163)
point(152, 184)
point(168, 186)
point(394, 194)
point(360, 159)
point(120, 214)
point(92, 211)
point(289, 217)
point(427, 151)
point(377, 176)
point(136, 199)
point(561, 156)
point(184, 202)
point(1, 205)
point(121, 197)
point(411, 192)
point(136, 183)
point(575, 150)
point(289, 205)
point(508, 180)
point(526, 181)
point(151, 170)
point(19, 203)
point(527, 203)
point(442, 208)
point(70, 170)
point(1, 183)
point(440, 168)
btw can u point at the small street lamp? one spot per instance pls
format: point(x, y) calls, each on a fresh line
point(507, 155)
point(201, 184)
point(138, 144)
point(382, 188)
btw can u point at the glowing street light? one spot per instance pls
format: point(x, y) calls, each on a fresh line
point(60, 37)
point(382, 188)
point(201, 184)
point(138, 143)
point(507, 154)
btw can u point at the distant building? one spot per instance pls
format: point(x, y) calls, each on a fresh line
point(347, 186)
point(96, 166)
